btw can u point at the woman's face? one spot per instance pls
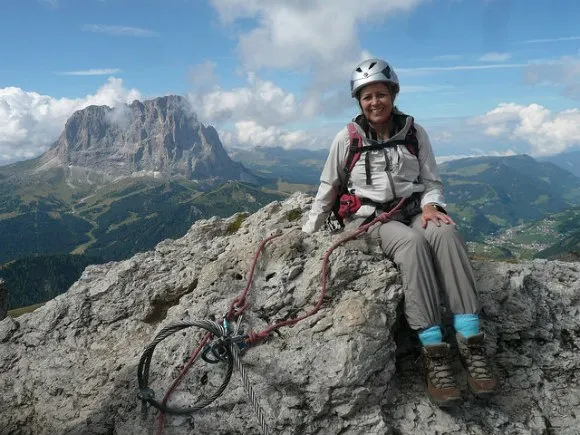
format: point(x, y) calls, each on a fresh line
point(376, 102)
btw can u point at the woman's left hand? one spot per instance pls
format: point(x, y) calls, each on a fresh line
point(430, 213)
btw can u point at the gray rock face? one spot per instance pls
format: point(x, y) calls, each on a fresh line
point(155, 136)
point(71, 366)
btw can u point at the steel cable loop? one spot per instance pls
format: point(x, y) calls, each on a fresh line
point(249, 390)
point(146, 394)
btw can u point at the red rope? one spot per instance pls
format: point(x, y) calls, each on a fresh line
point(240, 304)
point(177, 381)
point(259, 336)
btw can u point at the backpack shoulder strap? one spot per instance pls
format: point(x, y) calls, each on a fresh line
point(354, 151)
point(354, 148)
point(411, 141)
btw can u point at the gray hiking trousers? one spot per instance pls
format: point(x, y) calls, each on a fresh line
point(428, 259)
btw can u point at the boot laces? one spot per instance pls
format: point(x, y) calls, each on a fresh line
point(477, 362)
point(441, 376)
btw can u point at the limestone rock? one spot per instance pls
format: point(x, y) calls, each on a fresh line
point(159, 137)
point(70, 367)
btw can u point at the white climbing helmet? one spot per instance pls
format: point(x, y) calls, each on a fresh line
point(372, 71)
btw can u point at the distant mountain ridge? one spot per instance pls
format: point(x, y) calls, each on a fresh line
point(499, 192)
point(484, 194)
point(569, 161)
point(301, 166)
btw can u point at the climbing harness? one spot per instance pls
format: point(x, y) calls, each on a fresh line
point(347, 202)
point(225, 341)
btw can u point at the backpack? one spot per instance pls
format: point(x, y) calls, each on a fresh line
point(346, 203)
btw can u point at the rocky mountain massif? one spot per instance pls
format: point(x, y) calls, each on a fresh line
point(158, 137)
point(71, 366)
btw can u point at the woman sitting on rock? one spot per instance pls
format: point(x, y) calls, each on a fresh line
point(421, 238)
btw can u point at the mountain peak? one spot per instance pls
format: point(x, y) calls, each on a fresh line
point(162, 135)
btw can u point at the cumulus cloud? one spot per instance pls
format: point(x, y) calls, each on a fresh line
point(548, 133)
point(457, 138)
point(563, 73)
point(316, 36)
point(254, 114)
point(249, 134)
point(30, 122)
point(203, 76)
point(260, 100)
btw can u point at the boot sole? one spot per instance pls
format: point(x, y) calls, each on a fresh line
point(448, 403)
point(484, 395)
point(481, 394)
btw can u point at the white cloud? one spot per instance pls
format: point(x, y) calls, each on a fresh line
point(249, 134)
point(564, 73)
point(496, 130)
point(309, 35)
point(203, 76)
point(560, 39)
point(495, 57)
point(30, 122)
point(410, 89)
point(92, 72)
point(427, 69)
point(548, 133)
point(119, 30)
point(261, 100)
point(448, 57)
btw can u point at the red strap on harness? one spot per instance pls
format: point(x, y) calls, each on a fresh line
point(356, 144)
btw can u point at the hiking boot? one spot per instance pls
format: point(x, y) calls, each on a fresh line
point(440, 381)
point(473, 356)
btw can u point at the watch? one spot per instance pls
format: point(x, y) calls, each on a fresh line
point(437, 207)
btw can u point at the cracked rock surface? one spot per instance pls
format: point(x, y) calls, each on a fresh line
point(70, 367)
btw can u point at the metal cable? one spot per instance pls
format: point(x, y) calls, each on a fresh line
point(147, 395)
point(249, 390)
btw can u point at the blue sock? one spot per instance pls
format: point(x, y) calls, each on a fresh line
point(466, 324)
point(431, 335)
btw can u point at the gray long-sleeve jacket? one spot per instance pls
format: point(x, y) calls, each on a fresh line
point(395, 172)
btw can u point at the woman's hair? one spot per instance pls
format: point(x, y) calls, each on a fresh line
point(391, 87)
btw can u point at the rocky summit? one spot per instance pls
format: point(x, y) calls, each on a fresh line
point(70, 367)
point(159, 136)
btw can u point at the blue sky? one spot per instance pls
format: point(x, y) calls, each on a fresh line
point(483, 76)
